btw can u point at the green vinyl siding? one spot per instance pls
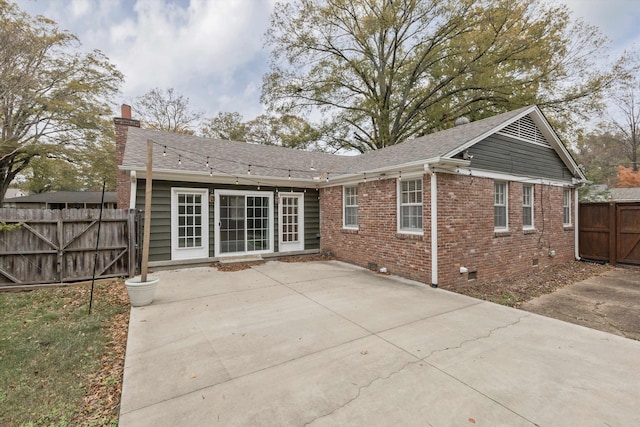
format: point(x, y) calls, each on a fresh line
point(160, 242)
point(311, 219)
point(500, 153)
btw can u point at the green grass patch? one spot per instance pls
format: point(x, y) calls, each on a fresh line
point(49, 347)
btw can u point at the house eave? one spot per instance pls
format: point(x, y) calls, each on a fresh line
point(216, 178)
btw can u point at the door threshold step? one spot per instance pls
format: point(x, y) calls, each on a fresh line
point(241, 259)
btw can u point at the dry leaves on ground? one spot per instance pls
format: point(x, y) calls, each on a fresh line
point(102, 402)
point(515, 290)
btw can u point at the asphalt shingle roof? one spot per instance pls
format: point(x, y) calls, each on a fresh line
point(66, 197)
point(232, 158)
point(625, 194)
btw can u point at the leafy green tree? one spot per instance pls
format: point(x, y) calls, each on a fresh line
point(286, 131)
point(384, 71)
point(225, 126)
point(53, 97)
point(166, 110)
point(599, 153)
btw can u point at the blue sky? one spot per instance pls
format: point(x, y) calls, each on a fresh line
point(212, 50)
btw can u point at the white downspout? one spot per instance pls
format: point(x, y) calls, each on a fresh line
point(132, 190)
point(434, 231)
point(576, 232)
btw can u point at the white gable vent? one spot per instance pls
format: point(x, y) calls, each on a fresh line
point(526, 130)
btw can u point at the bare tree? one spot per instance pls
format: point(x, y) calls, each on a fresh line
point(166, 110)
point(626, 124)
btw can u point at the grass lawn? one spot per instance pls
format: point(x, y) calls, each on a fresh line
point(60, 366)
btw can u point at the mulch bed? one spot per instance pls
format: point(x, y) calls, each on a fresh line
point(513, 291)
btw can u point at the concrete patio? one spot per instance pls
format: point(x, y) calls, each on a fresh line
point(327, 343)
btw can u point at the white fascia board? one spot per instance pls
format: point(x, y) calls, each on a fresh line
point(479, 173)
point(541, 121)
point(489, 132)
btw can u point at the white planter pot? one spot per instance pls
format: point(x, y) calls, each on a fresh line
point(141, 293)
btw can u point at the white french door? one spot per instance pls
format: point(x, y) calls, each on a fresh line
point(244, 222)
point(189, 223)
point(291, 222)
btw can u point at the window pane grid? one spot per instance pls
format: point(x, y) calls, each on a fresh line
point(411, 205)
point(351, 206)
point(566, 206)
point(527, 206)
point(290, 219)
point(189, 220)
point(500, 205)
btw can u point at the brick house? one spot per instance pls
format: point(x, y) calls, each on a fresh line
point(482, 199)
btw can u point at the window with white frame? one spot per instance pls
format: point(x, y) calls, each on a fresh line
point(566, 206)
point(527, 206)
point(410, 200)
point(500, 198)
point(350, 203)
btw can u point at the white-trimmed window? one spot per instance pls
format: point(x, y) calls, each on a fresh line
point(410, 206)
point(527, 206)
point(500, 197)
point(566, 206)
point(350, 203)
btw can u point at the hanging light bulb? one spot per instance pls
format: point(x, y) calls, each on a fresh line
point(236, 180)
point(327, 176)
point(207, 161)
point(249, 170)
point(258, 185)
point(400, 176)
point(210, 171)
point(179, 159)
point(289, 173)
point(164, 153)
point(365, 178)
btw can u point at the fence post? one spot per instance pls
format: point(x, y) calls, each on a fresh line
point(133, 232)
point(60, 230)
point(613, 247)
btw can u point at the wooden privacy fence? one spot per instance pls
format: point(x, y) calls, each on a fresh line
point(56, 246)
point(610, 232)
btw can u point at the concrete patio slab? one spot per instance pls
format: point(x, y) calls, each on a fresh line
point(609, 303)
point(326, 343)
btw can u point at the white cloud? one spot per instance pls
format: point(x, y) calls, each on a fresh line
point(167, 45)
point(80, 8)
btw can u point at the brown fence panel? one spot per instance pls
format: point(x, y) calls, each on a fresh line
point(595, 233)
point(628, 233)
point(54, 246)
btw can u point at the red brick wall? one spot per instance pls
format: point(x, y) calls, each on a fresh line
point(465, 231)
point(376, 240)
point(123, 183)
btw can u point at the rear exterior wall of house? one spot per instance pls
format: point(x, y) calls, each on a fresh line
point(466, 234)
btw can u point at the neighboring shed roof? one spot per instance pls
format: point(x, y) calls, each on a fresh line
point(189, 154)
point(625, 194)
point(65, 197)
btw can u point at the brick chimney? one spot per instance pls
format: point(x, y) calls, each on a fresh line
point(123, 183)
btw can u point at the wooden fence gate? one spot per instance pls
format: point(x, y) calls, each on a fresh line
point(610, 232)
point(57, 246)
